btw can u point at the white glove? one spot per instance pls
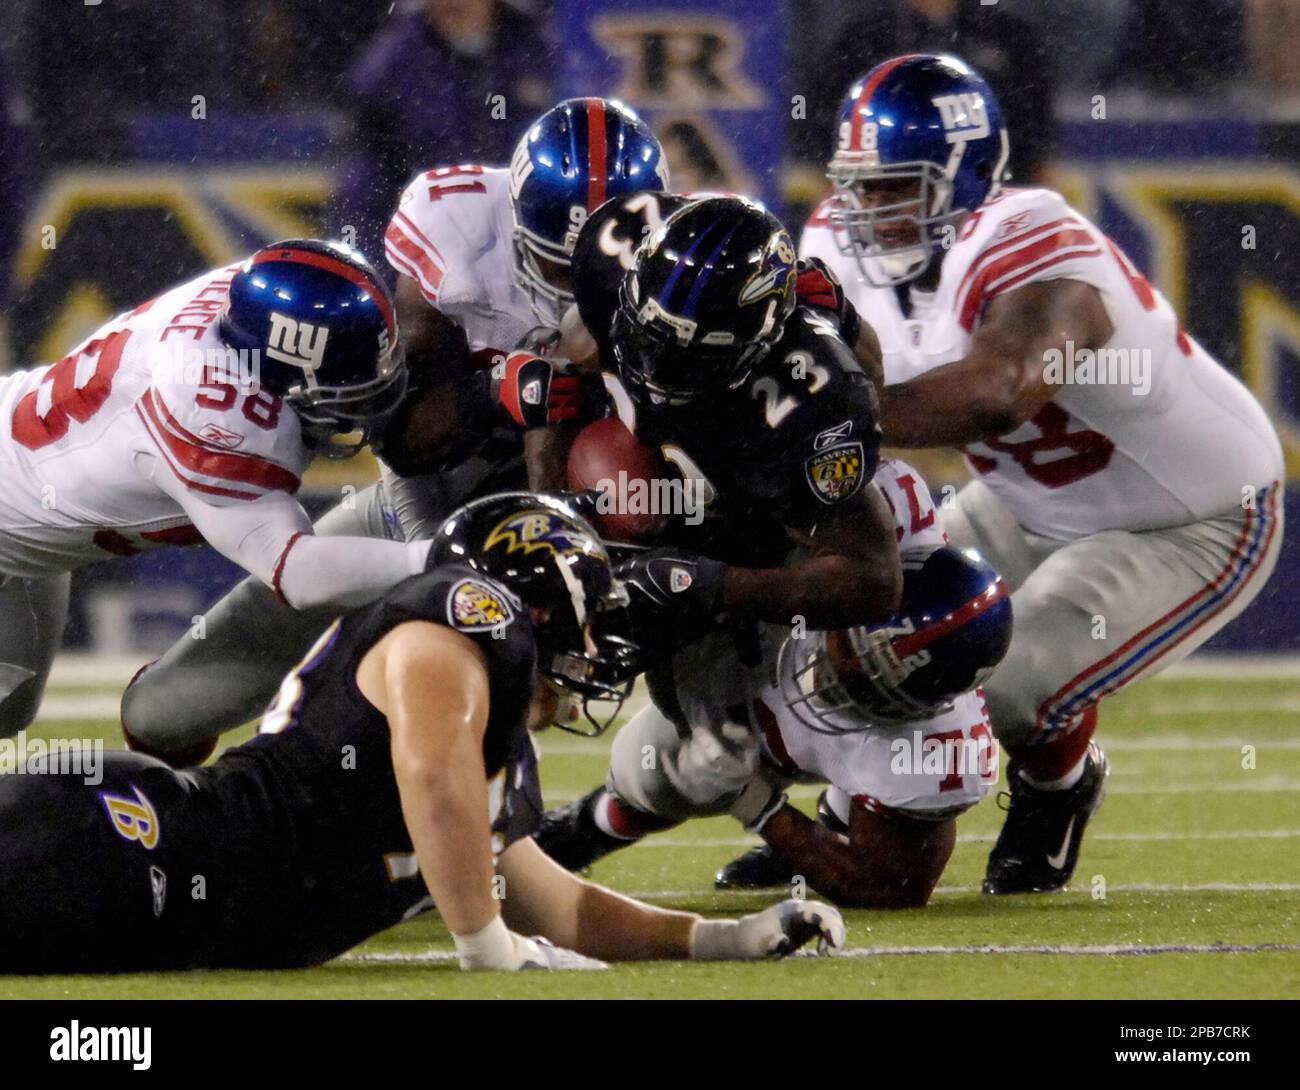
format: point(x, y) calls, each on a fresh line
point(772, 933)
point(497, 947)
point(713, 764)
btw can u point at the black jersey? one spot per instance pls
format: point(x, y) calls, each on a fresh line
point(290, 848)
point(306, 816)
point(794, 441)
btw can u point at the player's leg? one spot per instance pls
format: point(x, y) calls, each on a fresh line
point(97, 862)
point(763, 866)
point(33, 613)
point(224, 671)
point(1096, 615)
point(636, 799)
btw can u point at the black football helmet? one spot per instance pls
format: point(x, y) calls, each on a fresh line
point(709, 294)
point(606, 250)
point(548, 556)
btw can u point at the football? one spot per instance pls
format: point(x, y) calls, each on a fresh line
point(607, 457)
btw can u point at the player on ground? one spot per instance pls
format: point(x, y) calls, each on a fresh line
point(1126, 485)
point(394, 773)
point(191, 419)
point(481, 254)
point(891, 718)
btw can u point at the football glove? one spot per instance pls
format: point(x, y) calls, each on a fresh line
point(675, 583)
point(497, 947)
point(713, 765)
point(534, 392)
point(816, 286)
point(772, 933)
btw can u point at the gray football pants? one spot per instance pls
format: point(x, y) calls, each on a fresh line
point(32, 615)
point(225, 671)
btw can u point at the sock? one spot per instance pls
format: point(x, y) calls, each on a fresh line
point(1057, 764)
point(621, 821)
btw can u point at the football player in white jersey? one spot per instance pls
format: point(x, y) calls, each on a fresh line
point(192, 418)
point(891, 718)
point(482, 256)
point(1125, 484)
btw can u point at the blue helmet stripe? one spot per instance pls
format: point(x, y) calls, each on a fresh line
point(680, 267)
point(688, 310)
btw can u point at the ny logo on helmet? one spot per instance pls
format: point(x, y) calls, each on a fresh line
point(963, 115)
point(299, 343)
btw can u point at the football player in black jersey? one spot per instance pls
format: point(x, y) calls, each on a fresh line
point(394, 766)
point(711, 360)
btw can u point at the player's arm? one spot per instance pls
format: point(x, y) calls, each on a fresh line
point(543, 898)
point(271, 538)
point(431, 684)
point(446, 408)
point(853, 577)
point(886, 861)
point(1001, 382)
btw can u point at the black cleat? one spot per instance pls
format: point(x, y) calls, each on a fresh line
point(763, 867)
point(570, 836)
point(758, 868)
point(1039, 844)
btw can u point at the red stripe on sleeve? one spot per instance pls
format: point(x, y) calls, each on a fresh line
point(190, 452)
point(998, 276)
point(411, 258)
point(279, 567)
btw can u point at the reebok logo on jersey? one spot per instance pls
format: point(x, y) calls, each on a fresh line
point(831, 436)
point(158, 887)
point(220, 437)
point(299, 343)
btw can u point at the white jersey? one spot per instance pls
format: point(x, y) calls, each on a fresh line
point(80, 439)
point(453, 235)
point(152, 433)
point(1147, 433)
point(931, 768)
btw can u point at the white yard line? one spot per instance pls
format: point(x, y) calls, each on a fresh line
point(988, 838)
point(1125, 949)
point(1111, 887)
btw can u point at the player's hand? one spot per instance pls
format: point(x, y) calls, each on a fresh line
point(534, 392)
point(816, 286)
point(497, 947)
point(783, 928)
point(669, 581)
point(772, 933)
point(541, 340)
point(544, 954)
point(712, 765)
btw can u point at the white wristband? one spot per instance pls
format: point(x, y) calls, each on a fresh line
point(715, 940)
point(491, 948)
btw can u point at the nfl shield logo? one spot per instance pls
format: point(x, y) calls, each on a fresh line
point(679, 579)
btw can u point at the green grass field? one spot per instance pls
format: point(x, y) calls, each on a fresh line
point(1194, 850)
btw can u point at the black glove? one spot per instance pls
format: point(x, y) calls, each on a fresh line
point(534, 392)
point(674, 585)
point(816, 286)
